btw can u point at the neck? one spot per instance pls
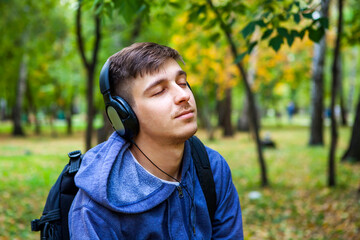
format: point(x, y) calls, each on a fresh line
point(167, 157)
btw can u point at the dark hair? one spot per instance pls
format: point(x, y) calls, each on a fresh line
point(137, 60)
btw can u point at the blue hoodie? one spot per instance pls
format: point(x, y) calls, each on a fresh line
point(119, 199)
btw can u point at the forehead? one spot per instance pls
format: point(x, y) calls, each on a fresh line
point(170, 66)
point(168, 70)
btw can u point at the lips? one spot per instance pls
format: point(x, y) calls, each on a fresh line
point(185, 114)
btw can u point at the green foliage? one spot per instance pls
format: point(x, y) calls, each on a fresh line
point(127, 9)
point(267, 34)
point(278, 23)
point(287, 20)
point(25, 37)
point(240, 57)
point(315, 34)
point(352, 22)
point(276, 42)
point(249, 29)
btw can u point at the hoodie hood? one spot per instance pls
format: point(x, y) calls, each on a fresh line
point(110, 176)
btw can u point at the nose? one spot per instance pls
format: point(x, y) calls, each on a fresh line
point(181, 94)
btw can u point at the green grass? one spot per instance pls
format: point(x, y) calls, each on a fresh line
point(298, 205)
point(28, 168)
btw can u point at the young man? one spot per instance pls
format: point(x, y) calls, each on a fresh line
point(145, 186)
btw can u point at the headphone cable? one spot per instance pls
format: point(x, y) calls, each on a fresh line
point(154, 163)
point(163, 170)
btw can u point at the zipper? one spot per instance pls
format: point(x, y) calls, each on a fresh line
point(185, 214)
point(181, 195)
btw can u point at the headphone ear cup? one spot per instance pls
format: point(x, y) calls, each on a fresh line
point(122, 117)
point(114, 118)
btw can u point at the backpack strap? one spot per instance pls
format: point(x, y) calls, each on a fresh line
point(53, 223)
point(204, 173)
point(38, 224)
point(75, 161)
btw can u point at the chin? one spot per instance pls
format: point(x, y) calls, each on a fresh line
point(194, 131)
point(188, 133)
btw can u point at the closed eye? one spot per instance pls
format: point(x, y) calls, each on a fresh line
point(182, 83)
point(159, 92)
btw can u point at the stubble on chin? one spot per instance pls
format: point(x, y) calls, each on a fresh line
point(180, 139)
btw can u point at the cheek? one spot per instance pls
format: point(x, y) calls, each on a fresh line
point(193, 101)
point(151, 113)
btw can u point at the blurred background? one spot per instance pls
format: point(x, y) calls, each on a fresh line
point(276, 83)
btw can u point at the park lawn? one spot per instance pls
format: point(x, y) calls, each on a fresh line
point(298, 205)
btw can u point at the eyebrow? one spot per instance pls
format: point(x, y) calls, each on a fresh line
point(181, 72)
point(161, 80)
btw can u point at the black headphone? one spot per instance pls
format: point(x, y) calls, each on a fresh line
point(119, 112)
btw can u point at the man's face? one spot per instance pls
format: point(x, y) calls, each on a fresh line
point(164, 105)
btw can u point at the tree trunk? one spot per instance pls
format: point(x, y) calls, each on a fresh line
point(220, 113)
point(20, 91)
point(69, 128)
point(207, 122)
point(224, 114)
point(90, 66)
point(335, 75)
point(243, 123)
point(53, 111)
point(3, 107)
point(352, 154)
point(340, 87)
point(344, 111)
point(317, 91)
point(253, 123)
point(352, 78)
point(69, 114)
point(33, 108)
point(37, 124)
point(228, 129)
point(90, 107)
point(206, 113)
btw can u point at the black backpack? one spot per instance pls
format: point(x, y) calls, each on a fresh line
point(53, 224)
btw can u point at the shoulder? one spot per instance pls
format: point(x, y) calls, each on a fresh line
point(89, 220)
point(217, 162)
point(221, 173)
point(82, 201)
point(84, 207)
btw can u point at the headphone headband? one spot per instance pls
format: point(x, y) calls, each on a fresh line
point(104, 78)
